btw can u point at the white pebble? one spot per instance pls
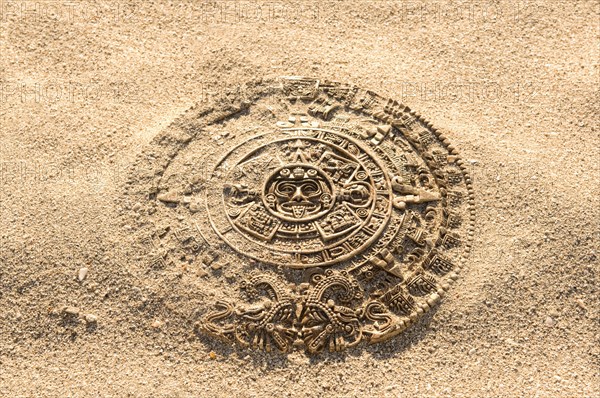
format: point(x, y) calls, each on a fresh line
point(82, 274)
point(91, 319)
point(71, 311)
point(157, 324)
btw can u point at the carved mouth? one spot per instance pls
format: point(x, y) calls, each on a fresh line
point(299, 209)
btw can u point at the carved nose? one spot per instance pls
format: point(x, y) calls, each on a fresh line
point(298, 196)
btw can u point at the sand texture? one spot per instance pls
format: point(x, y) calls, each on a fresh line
point(106, 154)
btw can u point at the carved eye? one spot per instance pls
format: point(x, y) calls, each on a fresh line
point(285, 189)
point(310, 188)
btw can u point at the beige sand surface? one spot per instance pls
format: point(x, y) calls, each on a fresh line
point(84, 86)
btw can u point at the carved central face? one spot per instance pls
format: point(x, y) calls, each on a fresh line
point(298, 192)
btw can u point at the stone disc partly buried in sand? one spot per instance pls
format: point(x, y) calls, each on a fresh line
point(319, 215)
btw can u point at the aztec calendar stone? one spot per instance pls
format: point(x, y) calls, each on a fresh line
point(319, 215)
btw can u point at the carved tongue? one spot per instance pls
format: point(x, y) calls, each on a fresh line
point(298, 211)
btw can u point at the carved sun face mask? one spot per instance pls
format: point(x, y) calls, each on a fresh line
point(298, 198)
point(298, 193)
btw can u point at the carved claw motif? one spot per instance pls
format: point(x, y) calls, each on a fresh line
point(326, 324)
point(262, 326)
point(318, 324)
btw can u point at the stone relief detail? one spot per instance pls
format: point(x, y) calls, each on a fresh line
point(316, 316)
point(332, 216)
point(319, 200)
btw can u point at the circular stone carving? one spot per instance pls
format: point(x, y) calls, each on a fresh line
point(313, 197)
point(326, 215)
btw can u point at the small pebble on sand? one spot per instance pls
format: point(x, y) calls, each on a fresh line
point(82, 274)
point(157, 324)
point(71, 311)
point(91, 319)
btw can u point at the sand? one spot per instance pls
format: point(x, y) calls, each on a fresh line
point(85, 87)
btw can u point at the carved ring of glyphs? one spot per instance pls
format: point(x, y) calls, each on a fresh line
point(339, 216)
point(313, 198)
